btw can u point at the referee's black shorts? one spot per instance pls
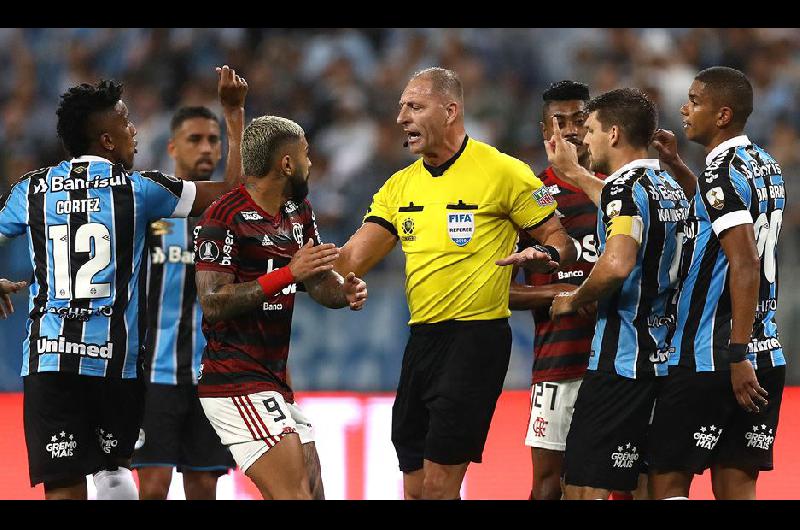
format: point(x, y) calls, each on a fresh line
point(452, 375)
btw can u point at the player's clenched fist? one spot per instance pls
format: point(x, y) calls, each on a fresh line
point(310, 260)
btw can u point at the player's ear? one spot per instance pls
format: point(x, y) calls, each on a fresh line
point(287, 165)
point(724, 117)
point(613, 135)
point(106, 141)
point(171, 148)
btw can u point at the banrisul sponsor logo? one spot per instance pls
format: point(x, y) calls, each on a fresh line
point(461, 227)
point(61, 445)
point(62, 345)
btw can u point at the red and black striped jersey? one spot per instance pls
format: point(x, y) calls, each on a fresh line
point(561, 349)
point(248, 354)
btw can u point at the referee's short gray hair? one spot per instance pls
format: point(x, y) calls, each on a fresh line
point(262, 139)
point(445, 82)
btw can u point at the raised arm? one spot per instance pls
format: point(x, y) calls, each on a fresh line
point(222, 299)
point(563, 156)
point(664, 142)
point(232, 90)
point(365, 249)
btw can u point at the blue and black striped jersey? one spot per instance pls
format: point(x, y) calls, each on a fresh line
point(742, 184)
point(175, 338)
point(86, 220)
point(635, 322)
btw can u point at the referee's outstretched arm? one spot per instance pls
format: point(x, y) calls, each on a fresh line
point(365, 249)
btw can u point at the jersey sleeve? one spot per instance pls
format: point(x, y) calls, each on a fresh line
point(13, 211)
point(531, 203)
point(725, 193)
point(622, 206)
point(381, 210)
point(216, 247)
point(167, 196)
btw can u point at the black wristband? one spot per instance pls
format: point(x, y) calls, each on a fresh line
point(554, 255)
point(737, 352)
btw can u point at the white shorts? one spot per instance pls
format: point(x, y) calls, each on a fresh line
point(251, 425)
point(552, 405)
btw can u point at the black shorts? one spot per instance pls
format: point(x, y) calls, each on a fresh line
point(176, 433)
point(698, 422)
point(76, 425)
point(606, 440)
point(452, 375)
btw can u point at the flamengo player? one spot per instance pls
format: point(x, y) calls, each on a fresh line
point(249, 253)
point(561, 349)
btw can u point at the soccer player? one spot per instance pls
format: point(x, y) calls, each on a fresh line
point(456, 212)
point(176, 432)
point(561, 349)
point(252, 247)
point(86, 219)
point(8, 288)
point(719, 406)
point(633, 280)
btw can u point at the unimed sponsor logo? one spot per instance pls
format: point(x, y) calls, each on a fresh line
point(61, 345)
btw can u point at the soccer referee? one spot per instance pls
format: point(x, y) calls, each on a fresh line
point(456, 212)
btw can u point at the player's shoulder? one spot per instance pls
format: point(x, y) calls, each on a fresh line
point(227, 206)
point(31, 176)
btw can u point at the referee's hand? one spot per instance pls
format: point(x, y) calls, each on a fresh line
point(7, 288)
point(531, 259)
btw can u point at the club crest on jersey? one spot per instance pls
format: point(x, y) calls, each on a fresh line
point(297, 232)
point(716, 198)
point(209, 251)
point(543, 197)
point(408, 230)
point(461, 226)
point(613, 209)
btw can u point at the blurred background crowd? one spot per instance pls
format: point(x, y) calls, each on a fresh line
point(342, 86)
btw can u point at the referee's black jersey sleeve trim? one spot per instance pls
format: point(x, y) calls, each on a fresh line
point(540, 223)
point(383, 222)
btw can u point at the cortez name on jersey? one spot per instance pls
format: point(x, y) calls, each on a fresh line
point(248, 353)
point(86, 221)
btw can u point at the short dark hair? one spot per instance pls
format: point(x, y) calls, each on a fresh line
point(187, 113)
point(629, 109)
point(262, 141)
point(566, 91)
point(444, 81)
point(729, 88)
point(77, 106)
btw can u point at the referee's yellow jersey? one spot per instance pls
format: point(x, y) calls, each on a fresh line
point(453, 222)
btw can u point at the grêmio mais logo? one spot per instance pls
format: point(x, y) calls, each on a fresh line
point(61, 345)
point(61, 445)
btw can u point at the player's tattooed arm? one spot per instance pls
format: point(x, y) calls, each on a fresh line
point(667, 146)
point(232, 90)
point(221, 299)
point(331, 290)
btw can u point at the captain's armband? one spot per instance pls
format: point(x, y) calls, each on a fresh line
point(626, 225)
